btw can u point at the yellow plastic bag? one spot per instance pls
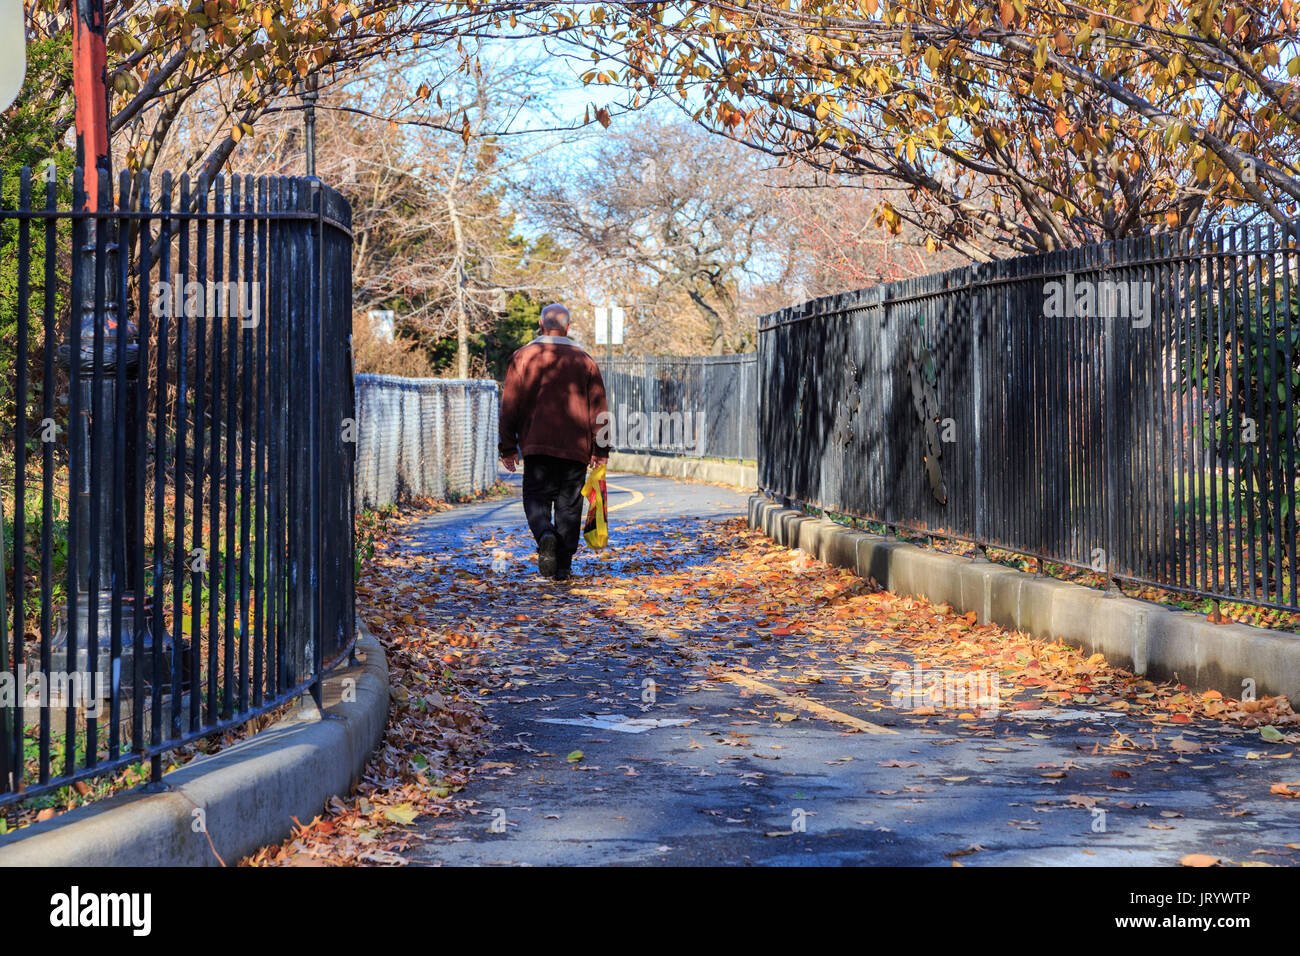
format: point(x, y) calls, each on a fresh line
point(596, 529)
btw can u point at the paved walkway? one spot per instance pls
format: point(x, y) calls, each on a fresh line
point(641, 727)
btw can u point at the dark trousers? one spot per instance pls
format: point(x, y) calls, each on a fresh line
point(555, 483)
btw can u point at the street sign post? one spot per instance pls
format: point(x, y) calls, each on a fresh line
point(89, 86)
point(383, 324)
point(609, 328)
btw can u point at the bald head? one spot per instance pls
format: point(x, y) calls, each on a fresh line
point(555, 319)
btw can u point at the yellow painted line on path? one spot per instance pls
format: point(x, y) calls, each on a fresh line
point(811, 706)
point(636, 498)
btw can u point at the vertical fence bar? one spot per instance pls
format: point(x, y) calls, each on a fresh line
point(122, 538)
point(157, 596)
point(275, 330)
point(1216, 369)
point(1259, 571)
point(12, 761)
point(97, 472)
point(1289, 331)
point(315, 442)
point(1192, 391)
point(1110, 399)
point(295, 467)
point(186, 576)
point(198, 563)
point(1240, 516)
point(8, 770)
point(229, 583)
point(217, 678)
point(1271, 554)
point(247, 291)
point(48, 319)
point(159, 541)
point(77, 467)
point(260, 440)
point(278, 574)
point(175, 281)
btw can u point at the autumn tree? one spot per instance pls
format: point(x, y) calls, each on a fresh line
point(1007, 126)
point(433, 238)
point(662, 216)
point(836, 243)
point(241, 57)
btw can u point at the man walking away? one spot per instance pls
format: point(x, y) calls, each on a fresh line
point(553, 411)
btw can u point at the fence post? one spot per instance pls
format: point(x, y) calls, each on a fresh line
point(760, 381)
point(1109, 403)
point(974, 295)
point(317, 439)
point(742, 390)
point(439, 438)
point(888, 347)
point(5, 757)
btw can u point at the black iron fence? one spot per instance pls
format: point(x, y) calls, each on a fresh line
point(702, 407)
point(177, 461)
point(1128, 408)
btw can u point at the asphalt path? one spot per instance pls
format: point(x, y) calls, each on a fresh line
point(696, 770)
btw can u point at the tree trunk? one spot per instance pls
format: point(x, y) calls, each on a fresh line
point(462, 315)
point(718, 344)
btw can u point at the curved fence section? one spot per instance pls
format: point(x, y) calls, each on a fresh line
point(424, 437)
point(176, 464)
point(1129, 408)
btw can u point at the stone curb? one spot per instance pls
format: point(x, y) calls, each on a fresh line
point(1151, 640)
point(691, 469)
point(249, 793)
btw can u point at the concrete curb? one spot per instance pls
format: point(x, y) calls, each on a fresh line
point(1149, 639)
point(249, 793)
point(691, 469)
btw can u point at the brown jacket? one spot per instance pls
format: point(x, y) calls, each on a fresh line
point(553, 402)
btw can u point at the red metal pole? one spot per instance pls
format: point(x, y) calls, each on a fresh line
point(89, 69)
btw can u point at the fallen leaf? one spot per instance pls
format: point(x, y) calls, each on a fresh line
point(403, 814)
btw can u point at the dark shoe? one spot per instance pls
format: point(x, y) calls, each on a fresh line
point(546, 557)
point(563, 573)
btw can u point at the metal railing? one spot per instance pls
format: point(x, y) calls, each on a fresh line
point(177, 465)
point(699, 406)
point(1128, 408)
point(424, 437)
